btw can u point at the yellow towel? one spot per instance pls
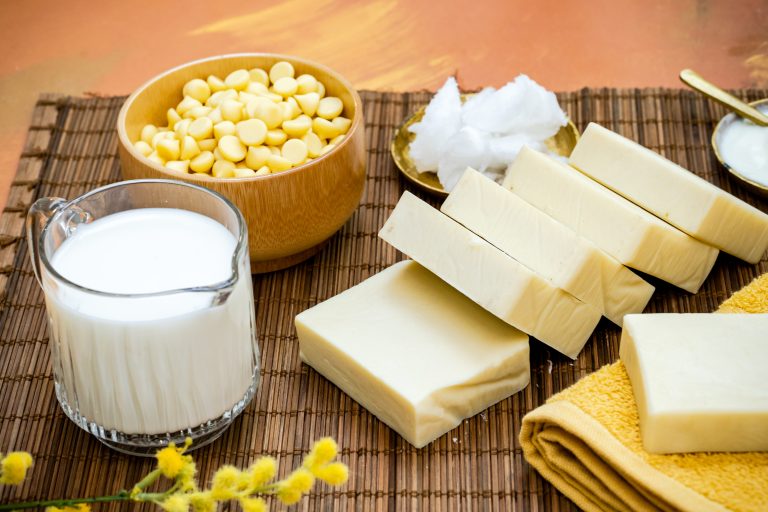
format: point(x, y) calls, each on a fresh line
point(586, 441)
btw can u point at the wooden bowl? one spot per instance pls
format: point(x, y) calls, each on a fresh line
point(289, 214)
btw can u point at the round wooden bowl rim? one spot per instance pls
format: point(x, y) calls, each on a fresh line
point(128, 145)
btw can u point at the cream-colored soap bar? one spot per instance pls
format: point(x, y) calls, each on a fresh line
point(699, 380)
point(546, 246)
point(622, 229)
point(413, 351)
point(488, 276)
point(674, 194)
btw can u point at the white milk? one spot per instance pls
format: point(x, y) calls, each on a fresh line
point(155, 364)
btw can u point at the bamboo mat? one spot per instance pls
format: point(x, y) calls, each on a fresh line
point(72, 148)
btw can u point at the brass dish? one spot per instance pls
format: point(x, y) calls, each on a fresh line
point(561, 143)
point(722, 125)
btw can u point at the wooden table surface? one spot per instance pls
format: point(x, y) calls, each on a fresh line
point(108, 48)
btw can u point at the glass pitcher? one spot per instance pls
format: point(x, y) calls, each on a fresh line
point(140, 370)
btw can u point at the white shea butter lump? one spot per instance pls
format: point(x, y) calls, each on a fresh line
point(486, 132)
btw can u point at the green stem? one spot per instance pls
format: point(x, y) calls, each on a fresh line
point(148, 480)
point(121, 496)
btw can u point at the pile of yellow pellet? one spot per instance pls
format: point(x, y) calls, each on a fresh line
point(251, 123)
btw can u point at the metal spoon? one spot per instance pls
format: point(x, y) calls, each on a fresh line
point(731, 102)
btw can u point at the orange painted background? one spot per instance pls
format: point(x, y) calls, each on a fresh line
point(110, 47)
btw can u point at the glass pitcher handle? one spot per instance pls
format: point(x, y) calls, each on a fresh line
point(37, 218)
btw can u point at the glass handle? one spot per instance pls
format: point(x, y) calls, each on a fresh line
point(37, 218)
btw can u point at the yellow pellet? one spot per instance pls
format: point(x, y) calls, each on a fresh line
point(178, 165)
point(223, 169)
point(324, 128)
point(148, 132)
point(260, 76)
point(286, 86)
point(258, 88)
point(215, 116)
point(154, 157)
point(244, 172)
point(182, 128)
point(278, 163)
point(173, 117)
point(186, 104)
point(289, 110)
point(158, 137)
point(295, 151)
point(197, 112)
point(238, 79)
point(320, 89)
point(197, 88)
point(308, 102)
point(231, 148)
point(257, 157)
point(342, 124)
point(223, 128)
point(329, 107)
point(202, 163)
point(337, 139)
point(207, 144)
point(265, 110)
point(274, 150)
point(217, 154)
point(168, 149)
point(263, 171)
point(231, 110)
point(306, 83)
point(201, 128)
point(281, 69)
point(251, 132)
point(244, 97)
point(276, 137)
point(327, 148)
point(216, 84)
point(143, 148)
point(273, 97)
point(314, 144)
point(189, 148)
point(297, 127)
point(216, 99)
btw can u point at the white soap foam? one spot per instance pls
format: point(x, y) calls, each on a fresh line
point(151, 364)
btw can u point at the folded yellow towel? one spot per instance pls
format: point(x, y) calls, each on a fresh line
point(586, 441)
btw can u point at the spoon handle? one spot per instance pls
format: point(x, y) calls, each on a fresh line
point(693, 80)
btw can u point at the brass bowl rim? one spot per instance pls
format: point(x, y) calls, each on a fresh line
point(758, 187)
point(201, 178)
point(398, 157)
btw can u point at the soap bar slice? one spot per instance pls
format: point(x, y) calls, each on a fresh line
point(674, 194)
point(699, 380)
point(546, 246)
point(413, 351)
point(500, 284)
point(622, 229)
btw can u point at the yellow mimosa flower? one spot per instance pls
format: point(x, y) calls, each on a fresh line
point(14, 466)
point(262, 471)
point(253, 505)
point(334, 473)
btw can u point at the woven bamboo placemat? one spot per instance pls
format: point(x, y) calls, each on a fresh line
point(72, 148)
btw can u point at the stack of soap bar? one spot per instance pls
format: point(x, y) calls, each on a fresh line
point(414, 351)
point(622, 229)
point(699, 380)
point(546, 246)
point(672, 193)
point(491, 278)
